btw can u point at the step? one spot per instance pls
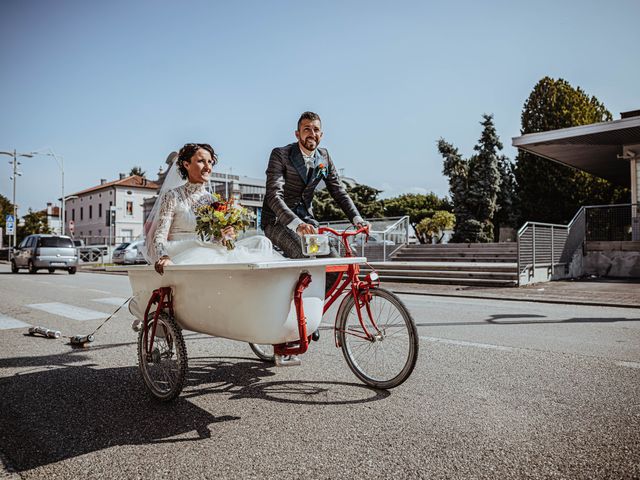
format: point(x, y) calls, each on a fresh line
point(451, 246)
point(451, 281)
point(449, 274)
point(452, 266)
point(467, 246)
point(406, 258)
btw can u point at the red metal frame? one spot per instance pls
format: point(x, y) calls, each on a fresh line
point(164, 298)
point(359, 290)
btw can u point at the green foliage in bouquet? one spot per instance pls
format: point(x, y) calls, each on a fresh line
point(215, 215)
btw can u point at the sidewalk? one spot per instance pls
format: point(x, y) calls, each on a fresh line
point(596, 292)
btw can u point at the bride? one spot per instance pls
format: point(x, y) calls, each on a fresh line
point(170, 231)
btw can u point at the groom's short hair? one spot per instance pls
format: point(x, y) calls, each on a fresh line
point(309, 116)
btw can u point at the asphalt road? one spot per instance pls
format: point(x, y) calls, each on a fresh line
point(501, 390)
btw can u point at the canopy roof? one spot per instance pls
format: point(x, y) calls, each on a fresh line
point(596, 149)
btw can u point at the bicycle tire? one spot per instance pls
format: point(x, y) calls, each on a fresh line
point(163, 375)
point(263, 352)
point(400, 336)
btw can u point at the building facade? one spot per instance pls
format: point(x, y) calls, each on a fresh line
point(109, 213)
point(52, 214)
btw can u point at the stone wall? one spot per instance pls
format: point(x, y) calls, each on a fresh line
point(612, 259)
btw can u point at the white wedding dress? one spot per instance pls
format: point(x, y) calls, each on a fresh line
point(175, 233)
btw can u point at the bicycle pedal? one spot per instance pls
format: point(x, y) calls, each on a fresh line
point(287, 360)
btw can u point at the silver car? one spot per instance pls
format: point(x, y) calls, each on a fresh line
point(128, 253)
point(49, 252)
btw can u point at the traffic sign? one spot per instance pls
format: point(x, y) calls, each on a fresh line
point(10, 224)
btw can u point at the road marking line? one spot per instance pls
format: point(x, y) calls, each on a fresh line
point(7, 323)
point(628, 364)
point(117, 301)
point(69, 311)
point(462, 343)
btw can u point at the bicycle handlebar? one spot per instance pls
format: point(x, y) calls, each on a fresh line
point(344, 233)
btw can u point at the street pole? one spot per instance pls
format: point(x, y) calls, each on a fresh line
point(15, 162)
point(15, 208)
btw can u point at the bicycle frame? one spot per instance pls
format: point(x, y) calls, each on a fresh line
point(359, 288)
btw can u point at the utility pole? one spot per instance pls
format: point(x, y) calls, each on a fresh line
point(16, 173)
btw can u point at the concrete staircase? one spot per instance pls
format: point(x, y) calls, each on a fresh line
point(479, 264)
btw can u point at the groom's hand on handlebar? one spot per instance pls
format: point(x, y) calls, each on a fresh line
point(161, 263)
point(363, 224)
point(306, 229)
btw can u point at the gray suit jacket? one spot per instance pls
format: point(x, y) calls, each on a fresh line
point(289, 194)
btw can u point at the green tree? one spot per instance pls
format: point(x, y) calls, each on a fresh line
point(434, 226)
point(548, 191)
point(34, 222)
point(416, 206)
point(137, 171)
point(6, 208)
point(364, 197)
point(474, 184)
point(506, 215)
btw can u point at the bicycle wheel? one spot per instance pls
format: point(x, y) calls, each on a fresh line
point(263, 352)
point(388, 356)
point(165, 368)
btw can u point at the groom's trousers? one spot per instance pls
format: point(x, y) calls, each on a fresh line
point(290, 243)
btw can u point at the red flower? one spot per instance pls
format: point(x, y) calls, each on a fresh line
point(219, 206)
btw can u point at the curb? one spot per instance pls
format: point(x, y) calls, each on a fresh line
point(520, 299)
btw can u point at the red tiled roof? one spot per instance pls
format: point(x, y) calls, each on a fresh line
point(55, 211)
point(132, 181)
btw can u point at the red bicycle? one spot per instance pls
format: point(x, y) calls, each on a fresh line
point(373, 327)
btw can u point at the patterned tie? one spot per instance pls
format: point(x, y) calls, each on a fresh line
point(309, 161)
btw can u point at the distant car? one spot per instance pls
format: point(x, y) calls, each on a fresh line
point(128, 253)
point(88, 253)
point(45, 251)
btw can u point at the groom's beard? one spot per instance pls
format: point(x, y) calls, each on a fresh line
point(310, 144)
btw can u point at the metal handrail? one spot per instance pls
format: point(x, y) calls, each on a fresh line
point(399, 222)
point(573, 241)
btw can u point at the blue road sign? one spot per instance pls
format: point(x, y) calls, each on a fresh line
point(10, 224)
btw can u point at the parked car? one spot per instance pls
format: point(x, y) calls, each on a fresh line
point(89, 253)
point(128, 252)
point(45, 251)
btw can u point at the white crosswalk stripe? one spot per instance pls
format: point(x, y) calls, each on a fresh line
point(117, 301)
point(7, 323)
point(69, 311)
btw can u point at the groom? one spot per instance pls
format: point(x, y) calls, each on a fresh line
point(293, 174)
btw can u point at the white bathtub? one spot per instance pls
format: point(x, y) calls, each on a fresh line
point(247, 302)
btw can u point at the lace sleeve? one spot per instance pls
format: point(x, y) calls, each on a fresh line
point(165, 218)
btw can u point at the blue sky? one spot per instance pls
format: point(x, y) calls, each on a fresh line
point(110, 85)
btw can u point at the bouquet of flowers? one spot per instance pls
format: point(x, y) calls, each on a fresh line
point(215, 214)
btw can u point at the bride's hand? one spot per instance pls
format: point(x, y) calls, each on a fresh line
point(229, 232)
point(161, 263)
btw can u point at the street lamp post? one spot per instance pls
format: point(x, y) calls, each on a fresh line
point(60, 161)
point(15, 162)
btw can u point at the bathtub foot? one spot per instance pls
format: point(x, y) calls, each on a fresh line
point(287, 360)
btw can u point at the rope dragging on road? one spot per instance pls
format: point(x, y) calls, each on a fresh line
point(77, 340)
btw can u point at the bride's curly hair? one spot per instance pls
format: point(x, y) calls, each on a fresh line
point(188, 151)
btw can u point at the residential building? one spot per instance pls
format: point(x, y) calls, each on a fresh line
point(87, 213)
point(52, 213)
